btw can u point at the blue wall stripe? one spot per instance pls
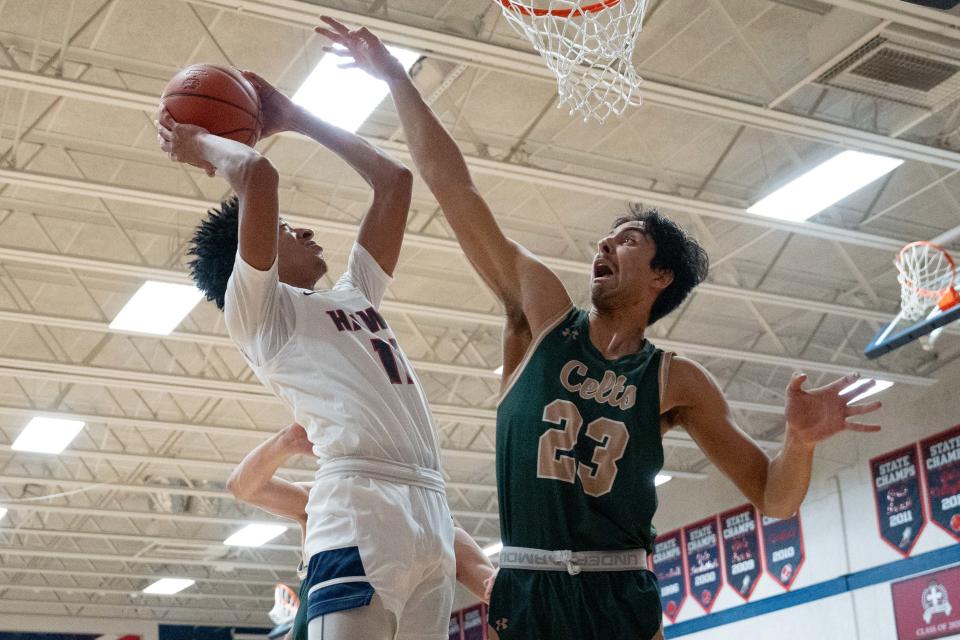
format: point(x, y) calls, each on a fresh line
point(836, 586)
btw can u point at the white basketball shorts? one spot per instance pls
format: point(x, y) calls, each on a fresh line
point(384, 527)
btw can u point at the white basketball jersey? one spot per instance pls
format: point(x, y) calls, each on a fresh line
point(335, 362)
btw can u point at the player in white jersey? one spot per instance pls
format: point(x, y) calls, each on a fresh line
point(379, 532)
point(255, 481)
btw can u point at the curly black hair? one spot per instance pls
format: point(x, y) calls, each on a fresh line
point(214, 244)
point(677, 253)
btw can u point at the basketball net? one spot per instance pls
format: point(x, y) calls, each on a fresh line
point(928, 276)
point(588, 45)
point(285, 604)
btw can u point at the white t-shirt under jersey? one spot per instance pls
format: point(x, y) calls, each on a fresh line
point(334, 361)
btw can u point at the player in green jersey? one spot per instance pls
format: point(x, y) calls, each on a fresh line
point(586, 399)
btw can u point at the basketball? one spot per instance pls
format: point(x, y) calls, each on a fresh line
point(217, 98)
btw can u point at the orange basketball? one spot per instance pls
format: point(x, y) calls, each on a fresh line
point(217, 98)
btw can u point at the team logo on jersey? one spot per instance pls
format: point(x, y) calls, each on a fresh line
point(502, 624)
point(612, 389)
point(570, 333)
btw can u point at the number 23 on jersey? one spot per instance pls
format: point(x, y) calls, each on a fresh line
point(556, 456)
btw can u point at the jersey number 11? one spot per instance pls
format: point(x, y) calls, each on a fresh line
point(391, 360)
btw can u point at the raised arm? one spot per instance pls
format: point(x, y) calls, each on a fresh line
point(776, 487)
point(516, 276)
point(254, 480)
point(381, 232)
point(251, 176)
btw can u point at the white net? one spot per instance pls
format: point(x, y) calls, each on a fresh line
point(588, 45)
point(925, 272)
point(285, 604)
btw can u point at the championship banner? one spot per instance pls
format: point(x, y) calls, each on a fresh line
point(670, 569)
point(703, 561)
point(941, 466)
point(475, 623)
point(896, 490)
point(782, 548)
point(456, 628)
point(741, 549)
point(928, 606)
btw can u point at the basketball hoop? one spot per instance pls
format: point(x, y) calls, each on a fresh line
point(565, 12)
point(927, 274)
point(588, 45)
point(928, 298)
point(285, 604)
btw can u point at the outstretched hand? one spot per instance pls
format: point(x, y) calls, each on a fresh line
point(181, 141)
point(366, 49)
point(815, 415)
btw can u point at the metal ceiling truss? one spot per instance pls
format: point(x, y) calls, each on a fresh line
point(910, 15)
point(132, 575)
point(71, 185)
point(458, 369)
point(421, 241)
point(463, 50)
point(445, 413)
point(138, 609)
point(482, 166)
point(303, 474)
point(72, 534)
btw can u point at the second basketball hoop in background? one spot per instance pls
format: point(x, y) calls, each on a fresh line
point(588, 45)
point(927, 275)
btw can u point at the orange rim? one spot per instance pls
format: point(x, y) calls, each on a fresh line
point(949, 299)
point(596, 7)
point(931, 293)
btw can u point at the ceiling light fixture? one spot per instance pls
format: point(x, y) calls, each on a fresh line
point(157, 308)
point(882, 385)
point(346, 97)
point(169, 586)
point(47, 435)
point(255, 535)
point(824, 185)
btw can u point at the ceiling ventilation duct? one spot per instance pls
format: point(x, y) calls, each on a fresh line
point(898, 71)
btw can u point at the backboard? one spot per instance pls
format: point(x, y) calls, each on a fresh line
point(896, 338)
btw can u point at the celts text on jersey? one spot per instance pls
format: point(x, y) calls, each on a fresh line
point(608, 390)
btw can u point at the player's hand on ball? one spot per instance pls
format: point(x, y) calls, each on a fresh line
point(366, 49)
point(815, 415)
point(278, 110)
point(179, 142)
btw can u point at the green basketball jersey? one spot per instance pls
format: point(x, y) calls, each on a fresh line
point(578, 445)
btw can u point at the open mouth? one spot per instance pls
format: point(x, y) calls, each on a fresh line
point(601, 270)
